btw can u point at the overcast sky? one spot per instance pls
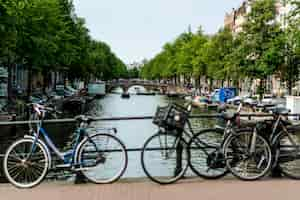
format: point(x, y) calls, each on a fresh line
point(137, 29)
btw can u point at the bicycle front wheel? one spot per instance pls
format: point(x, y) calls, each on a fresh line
point(239, 159)
point(25, 165)
point(289, 154)
point(206, 154)
point(102, 158)
point(165, 158)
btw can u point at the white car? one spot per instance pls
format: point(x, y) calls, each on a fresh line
point(250, 101)
point(235, 100)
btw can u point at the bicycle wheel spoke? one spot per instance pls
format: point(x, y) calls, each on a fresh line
point(22, 167)
point(17, 155)
point(14, 170)
point(206, 159)
point(289, 155)
point(243, 163)
point(168, 162)
point(103, 158)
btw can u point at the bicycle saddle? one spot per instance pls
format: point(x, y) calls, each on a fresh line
point(228, 115)
point(85, 119)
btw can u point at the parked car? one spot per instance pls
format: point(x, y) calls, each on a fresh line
point(235, 100)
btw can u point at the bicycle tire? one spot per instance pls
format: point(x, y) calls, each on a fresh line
point(234, 154)
point(210, 160)
point(23, 163)
point(102, 173)
point(170, 170)
point(288, 158)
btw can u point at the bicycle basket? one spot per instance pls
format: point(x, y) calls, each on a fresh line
point(171, 117)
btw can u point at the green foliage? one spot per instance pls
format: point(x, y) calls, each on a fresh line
point(262, 42)
point(182, 56)
point(262, 49)
point(47, 35)
point(133, 73)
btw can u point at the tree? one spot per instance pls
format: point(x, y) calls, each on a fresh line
point(291, 67)
point(46, 35)
point(215, 54)
point(199, 66)
point(262, 44)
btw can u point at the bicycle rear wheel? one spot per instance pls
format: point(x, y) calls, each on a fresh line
point(102, 158)
point(289, 154)
point(25, 167)
point(206, 154)
point(165, 158)
point(242, 163)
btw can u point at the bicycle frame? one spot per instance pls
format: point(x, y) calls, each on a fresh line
point(80, 133)
point(274, 135)
point(278, 123)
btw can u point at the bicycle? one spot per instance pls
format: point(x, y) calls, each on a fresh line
point(284, 138)
point(97, 153)
point(167, 154)
point(210, 144)
point(248, 154)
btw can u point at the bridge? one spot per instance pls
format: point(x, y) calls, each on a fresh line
point(277, 189)
point(126, 84)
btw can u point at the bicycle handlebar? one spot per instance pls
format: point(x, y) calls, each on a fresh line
point(40, 108)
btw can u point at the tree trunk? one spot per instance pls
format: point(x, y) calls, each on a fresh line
point(29, 80)
point(237, 86)
point(290, 86)
point(9, 82)
point(55, 80)
point(175, 78)
point(45, 80)
point(211, 80)
point(261, 88)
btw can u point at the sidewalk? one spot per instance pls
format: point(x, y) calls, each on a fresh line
point(196, 189)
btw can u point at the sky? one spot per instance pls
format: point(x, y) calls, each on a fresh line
point(137, 29)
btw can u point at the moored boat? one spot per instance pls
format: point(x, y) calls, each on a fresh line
point(125, 95)
point(96, 89)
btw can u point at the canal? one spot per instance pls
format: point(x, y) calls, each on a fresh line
point(132, 133)
point(135, 133)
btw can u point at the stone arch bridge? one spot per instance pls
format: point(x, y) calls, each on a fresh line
point(125, 85)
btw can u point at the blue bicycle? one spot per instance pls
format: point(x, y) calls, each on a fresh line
point(97, 153)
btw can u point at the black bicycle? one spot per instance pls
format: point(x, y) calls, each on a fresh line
point(165, 155)
point(223, 148)
point(284, 138)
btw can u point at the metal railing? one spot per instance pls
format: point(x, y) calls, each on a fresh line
point(69, 120)
point(72, 120)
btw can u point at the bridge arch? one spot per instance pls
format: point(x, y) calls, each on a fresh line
point(126, 86)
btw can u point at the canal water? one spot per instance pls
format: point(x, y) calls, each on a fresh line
point(135, 133)
point(132, 133)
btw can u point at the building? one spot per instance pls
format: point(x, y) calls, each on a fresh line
point(237, 17)
point(235, 20)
